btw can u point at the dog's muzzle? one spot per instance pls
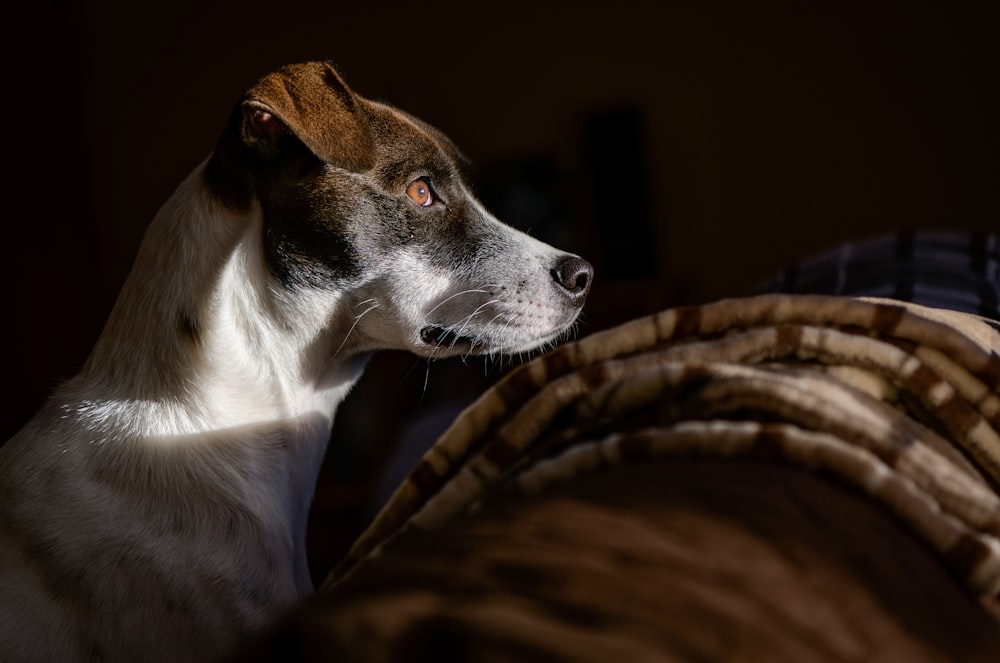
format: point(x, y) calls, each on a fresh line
point(571, 276)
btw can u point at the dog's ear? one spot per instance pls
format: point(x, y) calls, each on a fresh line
point(312, 103)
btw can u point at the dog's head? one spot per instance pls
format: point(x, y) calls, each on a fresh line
point(372, 205)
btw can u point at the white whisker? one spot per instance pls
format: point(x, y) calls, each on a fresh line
point(427, 379)
point(457, 294)
point(357, 319)
point(465, 322)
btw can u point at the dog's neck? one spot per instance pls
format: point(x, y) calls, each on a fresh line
point(200, 341)
point(208, 375)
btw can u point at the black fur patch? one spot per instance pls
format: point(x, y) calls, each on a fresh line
point(307, 240)
point(226, 174)
point(189, 328)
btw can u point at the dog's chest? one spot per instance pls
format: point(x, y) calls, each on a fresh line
point(202, 542)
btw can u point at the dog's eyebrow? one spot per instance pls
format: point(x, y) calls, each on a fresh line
point(445, 144)
point(397, 173)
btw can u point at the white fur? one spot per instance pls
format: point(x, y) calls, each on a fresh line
point(250, 421)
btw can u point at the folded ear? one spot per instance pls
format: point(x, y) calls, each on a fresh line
point(313, 103)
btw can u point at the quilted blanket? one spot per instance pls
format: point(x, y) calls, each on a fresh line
point(897, 404)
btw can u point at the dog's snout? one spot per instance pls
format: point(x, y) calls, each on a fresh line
point(573, 275)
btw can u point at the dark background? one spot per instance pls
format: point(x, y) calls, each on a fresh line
point(688, 149)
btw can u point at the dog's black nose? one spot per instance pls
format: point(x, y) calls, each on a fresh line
point(574, 275)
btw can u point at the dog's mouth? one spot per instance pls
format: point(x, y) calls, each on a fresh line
point(444, 338)
point(443, 341)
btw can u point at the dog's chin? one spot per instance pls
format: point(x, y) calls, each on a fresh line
point(439, 342)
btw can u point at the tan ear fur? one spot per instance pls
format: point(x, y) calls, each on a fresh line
point(315, 104)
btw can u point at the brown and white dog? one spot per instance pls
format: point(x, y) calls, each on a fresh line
point(155, 508)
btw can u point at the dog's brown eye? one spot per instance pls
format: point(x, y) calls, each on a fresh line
point(419, 192)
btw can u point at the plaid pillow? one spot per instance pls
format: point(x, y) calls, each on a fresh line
point(952, 270)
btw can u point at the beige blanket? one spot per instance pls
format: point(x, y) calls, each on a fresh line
point(898, 401)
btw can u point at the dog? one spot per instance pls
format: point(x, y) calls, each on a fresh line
point(155, 508)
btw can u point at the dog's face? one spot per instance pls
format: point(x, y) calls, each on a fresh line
point(368, 203)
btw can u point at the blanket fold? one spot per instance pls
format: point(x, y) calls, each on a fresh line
point(894, 400)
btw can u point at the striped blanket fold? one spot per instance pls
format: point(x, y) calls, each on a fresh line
point(896, 400)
